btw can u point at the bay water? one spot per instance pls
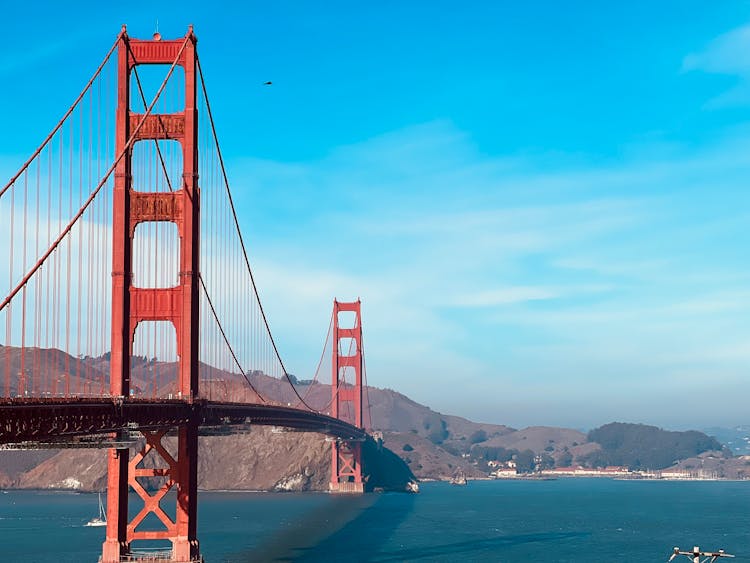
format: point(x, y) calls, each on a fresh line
point(565, 520)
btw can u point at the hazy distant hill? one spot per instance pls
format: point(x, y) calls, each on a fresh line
point(737, 439)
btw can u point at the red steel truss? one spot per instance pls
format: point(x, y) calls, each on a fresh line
point(346, 459)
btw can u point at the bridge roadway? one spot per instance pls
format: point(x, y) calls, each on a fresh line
point(48, 421)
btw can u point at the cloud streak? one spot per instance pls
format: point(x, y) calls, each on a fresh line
point(726, 55)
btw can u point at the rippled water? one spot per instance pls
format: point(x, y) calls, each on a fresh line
point(581, 520)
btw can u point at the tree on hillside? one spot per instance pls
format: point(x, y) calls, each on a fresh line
point(525, 461)
point(544, 461)
point(639, 446)
point(437, 429)
point(492, 453)
point(565, 459)
point(478, 436)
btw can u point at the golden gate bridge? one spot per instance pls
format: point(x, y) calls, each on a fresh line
point(129, 305)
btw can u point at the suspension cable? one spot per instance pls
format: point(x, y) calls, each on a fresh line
point(226, 340)
point(93, 195)
point(322, 356)
point(364, 377)
point(242, 241)
point(64, 117)
point(163, 127)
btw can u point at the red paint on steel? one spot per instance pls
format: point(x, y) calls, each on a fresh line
point(116, 543)
point(178, 305)
point(346, 456)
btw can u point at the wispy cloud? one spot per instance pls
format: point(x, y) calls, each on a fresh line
point(728, 54)
point(506, 296)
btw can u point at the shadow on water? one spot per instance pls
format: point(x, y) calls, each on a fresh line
point(367, 520)
point(359, 528)
point(494, 545)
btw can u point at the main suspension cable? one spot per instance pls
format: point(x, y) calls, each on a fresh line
point(242, 242)
point(93, 195)
point(226, 340)
point(320, 362)
point(64, 117)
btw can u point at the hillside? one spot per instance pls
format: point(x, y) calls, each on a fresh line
point(261, 459)
point(639, 446)
point(432, 444)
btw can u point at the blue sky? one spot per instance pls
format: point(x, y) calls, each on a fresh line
point(543, 207)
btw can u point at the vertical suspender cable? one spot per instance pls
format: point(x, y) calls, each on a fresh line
point(62, 120)
point(23, 295)
point(93, 194)
point(50, 279)
point(9, 318)
point(37, 286)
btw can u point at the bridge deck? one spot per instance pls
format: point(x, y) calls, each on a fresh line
point(49, 420)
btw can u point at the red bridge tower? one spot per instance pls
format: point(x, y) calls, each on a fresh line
point(346, 461)
point(178, 305)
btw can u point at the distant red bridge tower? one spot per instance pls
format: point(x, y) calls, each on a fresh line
point(346, 462)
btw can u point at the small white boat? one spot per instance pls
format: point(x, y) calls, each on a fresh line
point(100, 520)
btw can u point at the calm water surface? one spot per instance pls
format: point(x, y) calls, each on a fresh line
point(581, 520)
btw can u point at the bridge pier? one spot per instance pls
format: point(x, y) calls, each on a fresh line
point(185, 547)
point(116, 542)
point(346, 467)
point(180, 472)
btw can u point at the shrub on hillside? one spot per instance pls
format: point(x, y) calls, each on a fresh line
point(478, 436)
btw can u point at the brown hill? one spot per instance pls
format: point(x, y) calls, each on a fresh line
point(432, 444)
point(715, 465)
point(538, 439)
point(254, 461)
point(261, 459)
point(51, 370)
point(427, 460)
